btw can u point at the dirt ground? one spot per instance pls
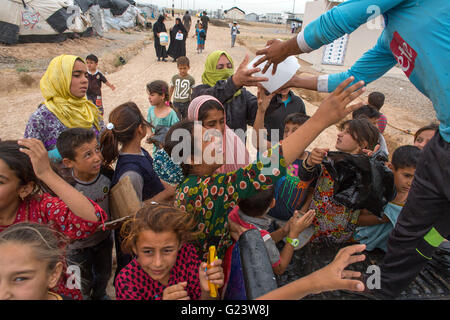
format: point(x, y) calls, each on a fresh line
point(21, 67)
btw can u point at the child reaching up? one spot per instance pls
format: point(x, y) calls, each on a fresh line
point(166, 266)
point(24, 168)
point(334, 221)
point(250, 213)
point(374, 231)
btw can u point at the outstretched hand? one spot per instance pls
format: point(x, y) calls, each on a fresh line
point(334, 107)
point(276, 51)
point(243, 75)
point(335, 277)
point(263, 99)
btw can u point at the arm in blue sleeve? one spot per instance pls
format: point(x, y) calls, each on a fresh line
point(344, 19)
point(371, 66)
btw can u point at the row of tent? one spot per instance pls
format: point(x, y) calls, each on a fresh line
point(55, 20)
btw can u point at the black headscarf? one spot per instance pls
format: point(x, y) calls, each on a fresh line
point(179, 26)
point(159, 25)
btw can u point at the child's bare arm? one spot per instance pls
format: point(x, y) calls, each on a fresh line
point(368, 219)
point(109, 84)
point(298, 223)
point(258, 125)
point(279, 234)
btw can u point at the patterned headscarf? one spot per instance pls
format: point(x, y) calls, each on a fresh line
point(166, 169)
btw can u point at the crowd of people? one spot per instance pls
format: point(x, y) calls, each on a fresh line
point(199, 187)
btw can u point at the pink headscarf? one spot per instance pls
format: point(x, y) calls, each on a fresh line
point(235, 153)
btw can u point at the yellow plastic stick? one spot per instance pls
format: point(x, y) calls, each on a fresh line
point(211, 258)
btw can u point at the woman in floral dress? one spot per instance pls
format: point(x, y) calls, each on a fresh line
point(210, 196)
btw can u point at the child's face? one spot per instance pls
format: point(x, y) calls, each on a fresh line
point(87, 162)
point(91, 65)
point(157, 253)
point(423, 138)
point(79, 83)
point(10, 188)
point(346, 143)
point(289, 128)
point(155, 99)
point(23, 276)
point(403, 178)
point(183, 70)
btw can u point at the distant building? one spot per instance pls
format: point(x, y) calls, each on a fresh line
point(272, 18)
point(343, 51)
point(252, 17)
point(234, 13)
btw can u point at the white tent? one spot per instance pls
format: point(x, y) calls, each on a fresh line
point(55, 20)
point(40, 20)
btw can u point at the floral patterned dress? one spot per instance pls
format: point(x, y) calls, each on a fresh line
point(333, 221)
point(211, 198)
point(45, 126)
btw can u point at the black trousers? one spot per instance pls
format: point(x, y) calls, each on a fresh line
point(423, 223)
point(96, 265)
point(182, 109)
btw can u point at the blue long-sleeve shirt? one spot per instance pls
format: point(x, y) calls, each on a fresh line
point(416, 35)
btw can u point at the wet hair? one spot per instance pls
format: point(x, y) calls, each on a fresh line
point(182, 61)
point(366, 111)
point(126, 119)
point(376, 99)
point(160, 87)
point(405, 157)
point(48, 245)
point(173, 140)
point(257, 204)
point(71, 139)
point(19, 163)
point(206, 107)
point(362, 131)
point(296, 118)
point(431, 126)
point(92, 58)
point(159, 218)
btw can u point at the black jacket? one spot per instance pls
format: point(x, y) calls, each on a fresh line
point(240, 110)
point(277, 112)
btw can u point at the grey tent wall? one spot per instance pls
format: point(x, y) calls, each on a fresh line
point(9, 33)
point(256, 267)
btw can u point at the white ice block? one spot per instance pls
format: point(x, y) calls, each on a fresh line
point(285, 71)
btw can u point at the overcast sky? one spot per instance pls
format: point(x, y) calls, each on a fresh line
point(257, 6)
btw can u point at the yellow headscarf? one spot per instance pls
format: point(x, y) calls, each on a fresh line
point(211, 74)
point(73, 112)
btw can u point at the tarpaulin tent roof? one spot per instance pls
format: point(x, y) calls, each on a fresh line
point(38, 19)
point(117, 7)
